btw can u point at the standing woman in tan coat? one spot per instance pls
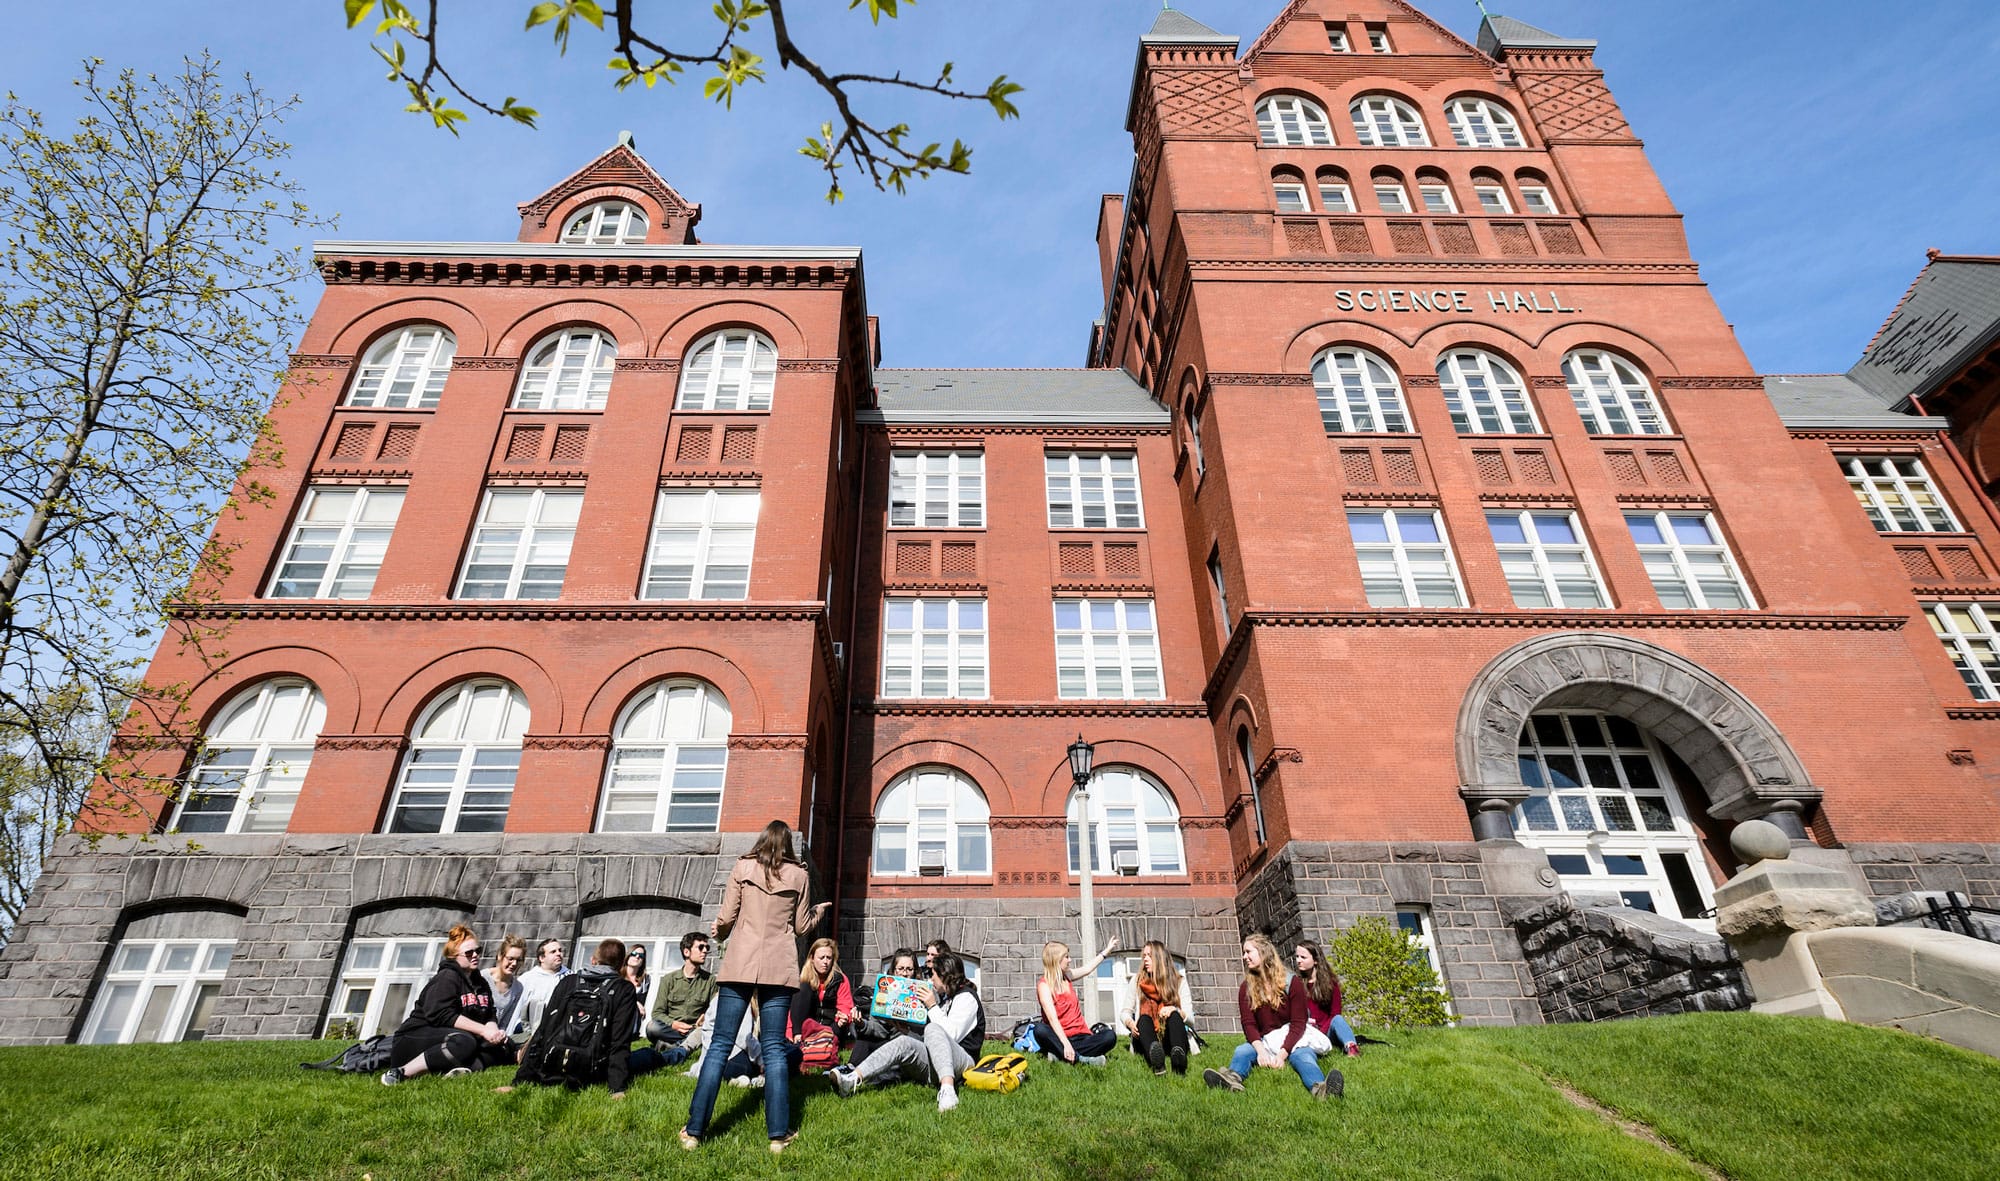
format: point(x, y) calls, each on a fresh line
point(763, 914)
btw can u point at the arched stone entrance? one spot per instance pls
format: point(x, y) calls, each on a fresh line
point(1746, 766)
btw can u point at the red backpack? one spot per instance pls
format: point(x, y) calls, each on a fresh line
point(819, 1049)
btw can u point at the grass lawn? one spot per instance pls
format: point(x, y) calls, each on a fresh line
point(1726, 1094)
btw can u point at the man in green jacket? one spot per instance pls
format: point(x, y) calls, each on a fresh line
point(675, 1027)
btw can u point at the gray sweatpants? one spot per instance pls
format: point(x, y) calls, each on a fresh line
point(928, 1059)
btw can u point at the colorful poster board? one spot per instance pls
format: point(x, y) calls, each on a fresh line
point(896, 999)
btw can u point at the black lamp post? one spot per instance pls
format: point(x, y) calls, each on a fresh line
point(1081, 754)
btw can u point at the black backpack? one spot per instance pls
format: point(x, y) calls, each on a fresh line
point(580, 1048)
point(369, 1057)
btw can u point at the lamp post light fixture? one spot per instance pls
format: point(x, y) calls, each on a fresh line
point(1081, 754)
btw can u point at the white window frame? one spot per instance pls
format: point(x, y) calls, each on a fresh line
point(1385, 121)
point(1404, 569)
point(266, 766)
point(1569, 814)
point(1493, 199)
point(493, 754)
point(569, 369)
point(1336, 196)
point(935, 649)
point(181, 1007)
point(1897, 493)
point(1359, 393)
point(734, 369)
point(1438, 199)
point(401, 967)
point(1290, 196)
point(1611, 393)
point(1415, 921)
point(1484, 394)
point(536, 536)
point(1685, 566)
point(1194, 443)
point(1082, 482)
point(1970, 633)
point(1129, 809)
point(606, 223)
point(656, 754)
point(1292, 121)
point(1558, 572)
point(1482, 123)
point(712, 537)
point(354, 545)
point(910, 817)
point(1378, 41)
point(1392, 196)
point(1087, 644)
point(405, 369)
point(1336, 39)
point(1118, 970)
point(1221, 587)
point(937, 489)
point(1539, 200)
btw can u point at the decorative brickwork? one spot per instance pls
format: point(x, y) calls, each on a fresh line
point(1573, 106)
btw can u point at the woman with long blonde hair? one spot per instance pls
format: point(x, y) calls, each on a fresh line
point(1266, 1005)
point(1153, 1010)
point(824, 994)
point(1062, 1033)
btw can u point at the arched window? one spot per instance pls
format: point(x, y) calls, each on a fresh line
point(405, 369)
point(1602, 805)
point(730, 370)
point(1130, 815)
point(1434, 192)
point(1335, 194)
point(1482, 123)
point(391, 955)
point(1536, 196)
point(932, 820)
point(1484, 394)
point(459, 773)
point(1490, 192)
point(1288, 121)
point(1611, 394)
point(1384, 122)
point(1358, 391)
point(568, 369)
point(1288, 188)
point(606, 223)
point(254, 760)
point(668, 757)
point(1391, 194)
point(164, 979)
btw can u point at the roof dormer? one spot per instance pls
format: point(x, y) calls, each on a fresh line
point(615, 200)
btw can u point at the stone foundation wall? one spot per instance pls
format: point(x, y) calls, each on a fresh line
point(1006, 936)
point(1912, 910)
point(1971, 870)
point(1316, 889)
point(1592, 963)
point(299, 896)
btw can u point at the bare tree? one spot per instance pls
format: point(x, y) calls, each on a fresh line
point(887, 154)
point(144, 317)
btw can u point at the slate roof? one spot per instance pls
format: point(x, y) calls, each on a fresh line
point(1054, 396)
point(1834, 401)
point(1174, 25)
point(1949, 316)
point(1498, 32)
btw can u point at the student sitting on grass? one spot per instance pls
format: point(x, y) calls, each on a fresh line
point(954, 1031)
point(504, 977)
point(451, 1029)
point(1322, 990)
point(537, 985)
point(1062, 1032)
point(675, 1029)
point(824, 995)
point(620, 1007)
point(1154, 1011)
point(872, 1033)
point(1266, 1005)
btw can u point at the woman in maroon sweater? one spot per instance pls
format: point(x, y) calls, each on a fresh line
point(1322, 989)
point(1267, 1006)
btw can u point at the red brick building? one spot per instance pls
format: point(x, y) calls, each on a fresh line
point(1417, 541)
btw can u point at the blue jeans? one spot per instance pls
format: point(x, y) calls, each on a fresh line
point(774, 1003)
point(1244, 1060)
point(1343, 1033)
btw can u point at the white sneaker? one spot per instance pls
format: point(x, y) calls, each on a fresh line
point(742, 1080)
point(758, 1082)
point(947, 1098)
point(458, 1071)
point(1090, 1059)
point(845, 1081)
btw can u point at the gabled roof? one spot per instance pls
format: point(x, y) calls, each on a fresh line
point(1949, 316)
point(1173, 26)
point(1504, 32)
point(1053, 396)
point(1833, 402)
point(621, 165)
point(1409, 10)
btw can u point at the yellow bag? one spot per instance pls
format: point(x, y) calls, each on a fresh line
point(998, 1072)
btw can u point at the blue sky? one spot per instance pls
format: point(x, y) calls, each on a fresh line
point(1816, 149)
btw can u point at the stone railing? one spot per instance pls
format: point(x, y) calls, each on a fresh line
point(1592, 963)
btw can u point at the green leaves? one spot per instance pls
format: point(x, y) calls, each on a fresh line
point(877, 9)
point(742, 66)
point(998, 94)
point(562, 14)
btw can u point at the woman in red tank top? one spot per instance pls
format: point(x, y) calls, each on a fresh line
point(1062, 1032)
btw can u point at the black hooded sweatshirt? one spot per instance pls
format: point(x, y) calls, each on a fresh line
point(451, 994)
